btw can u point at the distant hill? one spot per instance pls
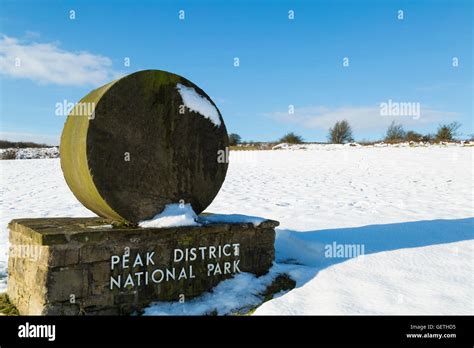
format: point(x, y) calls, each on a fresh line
point(5, 144)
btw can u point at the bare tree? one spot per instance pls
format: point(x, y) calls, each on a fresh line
point(395, 133)
point(340, 133)
point(447, 132)
point(413, 136)
point(234, 139)
point(291, 138)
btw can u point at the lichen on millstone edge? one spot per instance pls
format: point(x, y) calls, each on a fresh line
point(150, 139)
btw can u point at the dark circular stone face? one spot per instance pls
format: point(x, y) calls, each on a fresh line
point(155, 139)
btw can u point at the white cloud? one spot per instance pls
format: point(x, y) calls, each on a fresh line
point(361, 118)
point(46, 63)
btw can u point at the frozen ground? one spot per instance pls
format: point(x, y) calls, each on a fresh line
point(409, 210)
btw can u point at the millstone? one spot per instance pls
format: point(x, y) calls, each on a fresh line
point(141, 142)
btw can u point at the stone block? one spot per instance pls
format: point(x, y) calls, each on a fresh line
point(83, 266)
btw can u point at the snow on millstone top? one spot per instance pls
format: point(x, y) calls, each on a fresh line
point(198, 103)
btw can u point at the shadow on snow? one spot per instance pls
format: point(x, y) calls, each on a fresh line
point(308, 248)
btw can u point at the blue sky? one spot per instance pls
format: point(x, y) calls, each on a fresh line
point(283, 62)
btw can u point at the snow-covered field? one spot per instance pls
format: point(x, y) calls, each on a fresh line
point(409, 211)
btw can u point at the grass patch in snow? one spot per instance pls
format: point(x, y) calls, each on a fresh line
point(280, 285)
point(6, 307)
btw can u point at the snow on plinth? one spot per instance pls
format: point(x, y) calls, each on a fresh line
point(177, 214)
point(174, 215)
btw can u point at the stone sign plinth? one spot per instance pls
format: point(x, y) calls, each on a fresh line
point(73, 266)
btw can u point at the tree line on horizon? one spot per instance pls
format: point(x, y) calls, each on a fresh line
point(5, 144)
point(341, 133)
